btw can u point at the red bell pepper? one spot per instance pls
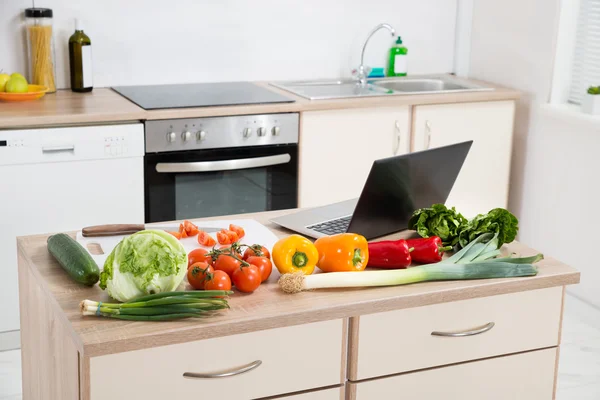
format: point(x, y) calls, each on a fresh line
point(392, 254)
point(427, 250)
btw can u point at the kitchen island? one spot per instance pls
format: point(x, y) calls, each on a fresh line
point(494, 339)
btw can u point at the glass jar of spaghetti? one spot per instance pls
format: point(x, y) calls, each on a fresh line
point(40, 47)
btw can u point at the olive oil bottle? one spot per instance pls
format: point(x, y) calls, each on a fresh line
point(80, 60)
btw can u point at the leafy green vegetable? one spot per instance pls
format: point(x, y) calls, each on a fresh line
point(147, 262)
point(438, 220)
point(498, 221)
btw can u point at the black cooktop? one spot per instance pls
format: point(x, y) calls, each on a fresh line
point(153, 97)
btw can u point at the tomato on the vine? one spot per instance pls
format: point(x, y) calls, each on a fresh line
point(199, 255)
point(247, 278)
point(226, 263)
point(197, 274)
point(263, 264)
point(256, 250)
point(218, 280)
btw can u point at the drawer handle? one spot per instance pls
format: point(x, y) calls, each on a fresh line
point(242, 370)
point(472, 332)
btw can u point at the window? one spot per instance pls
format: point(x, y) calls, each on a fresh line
point(586, 59)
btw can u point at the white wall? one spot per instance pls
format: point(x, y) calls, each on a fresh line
point(555, 160)
point(152, 41)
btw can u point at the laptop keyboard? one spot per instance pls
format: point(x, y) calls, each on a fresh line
point(339, 225)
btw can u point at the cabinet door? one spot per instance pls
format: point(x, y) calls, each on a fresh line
point(338, 147)
point(525, 376)
point(484, 178)
point(195, 369)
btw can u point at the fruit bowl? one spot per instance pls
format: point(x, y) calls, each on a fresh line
point(33, 92)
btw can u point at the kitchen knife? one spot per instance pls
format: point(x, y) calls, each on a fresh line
point(127, 229)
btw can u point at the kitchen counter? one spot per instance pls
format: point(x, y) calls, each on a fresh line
point(50, 310)
point(103, 105)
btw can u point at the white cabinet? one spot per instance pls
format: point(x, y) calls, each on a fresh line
point(338, 147)
point(525, 376)
point(62, 179)
point(484, 178)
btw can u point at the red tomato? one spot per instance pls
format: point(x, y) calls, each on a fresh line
point(204, 239)
point(199, 255)
point(263, 264)
point(182, 231)
point(176, 234)
point(233, 237)
point(239, 231)
point(218, 280)
point(222, 238)
point(190, 228)
point(256, 250)
point(197, 274)
point(226, 263)
point(247, 279)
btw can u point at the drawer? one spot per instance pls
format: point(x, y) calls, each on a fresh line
point(525, 376)
point(325, 394)
point(399, 341)
point(293, 359)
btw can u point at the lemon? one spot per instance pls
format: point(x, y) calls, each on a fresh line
point(3, 79)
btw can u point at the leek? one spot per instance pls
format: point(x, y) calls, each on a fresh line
point(477, 260)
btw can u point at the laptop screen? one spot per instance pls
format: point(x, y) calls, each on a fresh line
point(397, 186)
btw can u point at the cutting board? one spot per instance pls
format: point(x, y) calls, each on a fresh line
point(255, 233)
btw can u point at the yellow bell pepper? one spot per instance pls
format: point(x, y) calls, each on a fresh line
point(343, 252)
point(295, 253)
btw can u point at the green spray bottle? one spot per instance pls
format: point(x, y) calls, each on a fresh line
point(397, 65)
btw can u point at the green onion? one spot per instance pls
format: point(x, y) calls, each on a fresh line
point(475, 261)
point(160, 306)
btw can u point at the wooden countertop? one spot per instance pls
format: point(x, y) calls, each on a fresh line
point(104, 105)
point(266, 308)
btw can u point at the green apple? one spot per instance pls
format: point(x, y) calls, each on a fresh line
point(3, 79)
point(16, 85)
point(17, 75)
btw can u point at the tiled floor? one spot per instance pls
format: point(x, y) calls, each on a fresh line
point(579, 368)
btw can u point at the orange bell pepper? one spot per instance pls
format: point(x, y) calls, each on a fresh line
point(343, 252)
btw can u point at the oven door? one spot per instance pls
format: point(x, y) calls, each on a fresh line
point(206, 183)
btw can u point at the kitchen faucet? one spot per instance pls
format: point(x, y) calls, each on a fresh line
point(362, 71)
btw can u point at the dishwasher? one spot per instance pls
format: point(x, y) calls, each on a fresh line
point(61, 179)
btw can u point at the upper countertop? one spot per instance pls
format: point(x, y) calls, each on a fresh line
point(266, 308)
point(103, 105)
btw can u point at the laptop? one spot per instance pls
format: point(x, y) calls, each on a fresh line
point(395, 188)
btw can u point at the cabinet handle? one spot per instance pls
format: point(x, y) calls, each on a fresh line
point(241, 370)
point(398, 138)
point(472, 332)
point(427, 134)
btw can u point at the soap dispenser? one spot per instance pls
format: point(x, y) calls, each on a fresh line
point(397, 65)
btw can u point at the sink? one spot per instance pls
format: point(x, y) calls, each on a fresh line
point(414, 85)
point(320, 90)
point(335, 89)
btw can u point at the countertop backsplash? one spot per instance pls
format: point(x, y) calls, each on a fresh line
point(145, 42)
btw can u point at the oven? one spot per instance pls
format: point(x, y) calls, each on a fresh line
point(205, 167)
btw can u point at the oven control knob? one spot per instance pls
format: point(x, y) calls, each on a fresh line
point(261, 131)
point(200, 135)
point(247, 132)
point(275, 131)
point(171, 136)
point(187, 135)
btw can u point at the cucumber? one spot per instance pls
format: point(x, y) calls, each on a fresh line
point(74, 259)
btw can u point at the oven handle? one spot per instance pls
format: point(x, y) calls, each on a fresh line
point(225, 165)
